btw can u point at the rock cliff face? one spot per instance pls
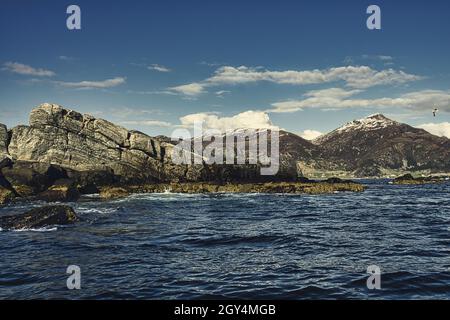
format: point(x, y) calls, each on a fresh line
point(3, 142)
point(82, 143)
point(64, 144)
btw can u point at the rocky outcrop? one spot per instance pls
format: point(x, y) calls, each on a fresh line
point(29, 178)
point(408, 179)
point(310, 187)
point(81, 143)
point(4, 137)
point(6, 195)
point(40, 218)
point(114, 192)
point(61, 145)
point(63, 190)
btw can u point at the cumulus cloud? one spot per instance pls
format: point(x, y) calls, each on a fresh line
point(24, 69)
point(336, 98)
point(191, 90)
point(310, 134)
point(353, 76)
point(108, 83)
point(159, 68)
point(438, 129)
point(248, 119)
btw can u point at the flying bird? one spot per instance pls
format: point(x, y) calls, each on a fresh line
point(435, 111)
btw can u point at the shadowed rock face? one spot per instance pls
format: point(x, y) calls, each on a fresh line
point(39, 218)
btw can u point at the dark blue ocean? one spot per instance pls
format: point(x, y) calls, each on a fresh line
point(258, 246)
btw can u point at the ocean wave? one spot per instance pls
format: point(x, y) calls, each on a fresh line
point(96, 210)
point(43, 229)
point(231, 240)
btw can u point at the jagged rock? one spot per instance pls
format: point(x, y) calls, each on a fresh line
point(89, 182)
point(83, 143)
point(6, 195)
point(3, 141)
point(29, 178)
point(407, 176)
point(39, 218)
point(113, 193)
point(408, 179)
point(63, 190)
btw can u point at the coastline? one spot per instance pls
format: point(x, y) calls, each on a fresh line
point(201, 187)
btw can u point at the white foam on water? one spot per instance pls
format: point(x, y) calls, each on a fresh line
point(44, 229)
point(96, 210)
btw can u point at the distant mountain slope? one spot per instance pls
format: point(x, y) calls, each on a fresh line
point(376, 145)
point(368, 147)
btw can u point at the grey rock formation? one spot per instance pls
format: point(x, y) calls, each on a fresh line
point(82, 143)
point(39, 218)
point(96, 152)
point(3, 143)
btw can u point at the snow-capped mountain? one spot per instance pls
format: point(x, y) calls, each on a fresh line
point(375, 145)
point(369, 123)
point(372, 146)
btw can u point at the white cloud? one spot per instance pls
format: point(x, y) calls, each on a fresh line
point(336, 98)
point(386, 58)
point(438, 129)
point(108, 83)
point(248, 119)
point(20, 68)
point(310, 134)
point(221, 93)
point(192, 89)
point(356, 77)
point(150, 123)
point(353, 76)
point(159, 68)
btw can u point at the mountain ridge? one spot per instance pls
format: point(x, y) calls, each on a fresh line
point(374, 146)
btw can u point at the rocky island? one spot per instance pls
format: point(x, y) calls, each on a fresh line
point(408, 179)
point(63, 154)
point(39, 217)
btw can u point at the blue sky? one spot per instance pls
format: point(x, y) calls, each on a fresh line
point(299, 65)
